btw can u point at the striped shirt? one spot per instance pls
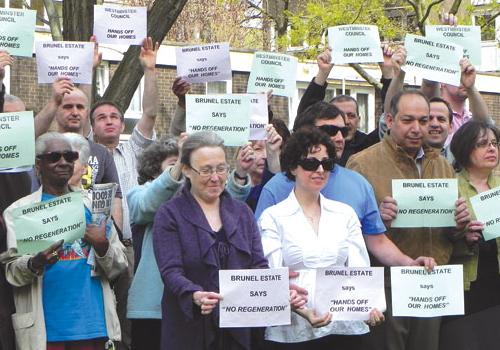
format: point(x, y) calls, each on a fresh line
point(125, 156)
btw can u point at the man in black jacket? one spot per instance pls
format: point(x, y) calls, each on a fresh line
point(356, 140)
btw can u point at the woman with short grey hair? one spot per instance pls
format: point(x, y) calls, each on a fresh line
point(195, 235)
point(82, 312)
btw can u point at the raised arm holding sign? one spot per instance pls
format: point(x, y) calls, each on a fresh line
point(120, 25)
point(433, 60)
point(469, 37)
point(17, 31)
point(64, 59)
point(273, 71)
point(204, 63)
point(355, 44)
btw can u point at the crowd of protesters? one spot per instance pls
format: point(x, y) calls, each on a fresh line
point(148, 278)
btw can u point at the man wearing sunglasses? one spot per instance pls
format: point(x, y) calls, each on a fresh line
point(355, 140)
point(402, 154)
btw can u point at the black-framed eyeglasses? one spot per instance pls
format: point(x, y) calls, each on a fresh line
point(220, 169)
point(332, 130)
point(53, 157)
point(312, 164)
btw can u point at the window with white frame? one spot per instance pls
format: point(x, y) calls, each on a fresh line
point(488, 24)
point(362, 100)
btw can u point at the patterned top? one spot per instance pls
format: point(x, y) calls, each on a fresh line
point(125, 156)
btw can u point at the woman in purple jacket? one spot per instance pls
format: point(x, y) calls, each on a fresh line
point(194, 236)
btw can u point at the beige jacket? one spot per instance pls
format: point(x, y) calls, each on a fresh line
point(28, 321)
point(385, 161)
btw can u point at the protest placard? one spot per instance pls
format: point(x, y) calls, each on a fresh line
point(433, 60)
point(254, 298)
point(273, 71)
point(17, 31)
point(355, 44)
point(227, 115)
point(469, 37)
point(486, 206)
point(204, 63)
point(120, 25)
point(102, 196)
point(258, 116)
point(425, 202)
point(349, 293)
point(39, 225)
point(17, 139)
point(63, 58)
point(418, 293)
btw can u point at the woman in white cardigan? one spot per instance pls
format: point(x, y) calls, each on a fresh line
point(307, 231)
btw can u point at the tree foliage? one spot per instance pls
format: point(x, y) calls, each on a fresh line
point(308, 27)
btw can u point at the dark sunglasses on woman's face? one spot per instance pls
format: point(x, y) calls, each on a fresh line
point(312, 164)
point(53, 157)
point(332, 130)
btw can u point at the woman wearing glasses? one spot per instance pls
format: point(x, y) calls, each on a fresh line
point(475, 148)
point(62, 301)
point(308, 231)
point(194, 236)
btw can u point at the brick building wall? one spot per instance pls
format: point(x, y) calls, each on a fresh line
point(24, 85)
point(493, 103)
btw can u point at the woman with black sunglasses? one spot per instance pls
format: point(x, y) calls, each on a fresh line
point(62, 293)
point(307, 231)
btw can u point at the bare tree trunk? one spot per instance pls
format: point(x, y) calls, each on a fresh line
point(456, 5)
point(122, 86)
point(266, 28)
point(54, 22)
point(78, 19)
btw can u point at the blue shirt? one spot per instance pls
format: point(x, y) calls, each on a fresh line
point(343, 185)
point(73, 302)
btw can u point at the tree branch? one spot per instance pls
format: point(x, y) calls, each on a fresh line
point(456, 5)
point(365, 75)
point(361, 8)
point(256, 7)
point(39, 18)
point(413, 4)
point(490, 20)
point(428, 11)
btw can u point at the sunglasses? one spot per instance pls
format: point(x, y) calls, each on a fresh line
point(53, 157)
point(332, 130)
point(312, 164)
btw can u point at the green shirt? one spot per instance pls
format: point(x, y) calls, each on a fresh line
point(463, 253)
